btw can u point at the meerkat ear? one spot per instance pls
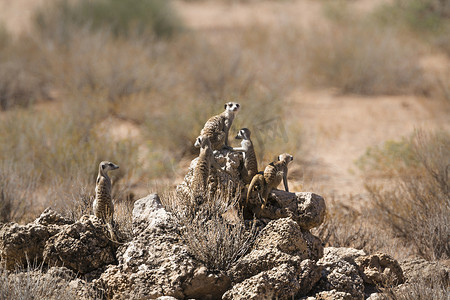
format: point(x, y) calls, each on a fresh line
point(103, 167)
point(225, 106)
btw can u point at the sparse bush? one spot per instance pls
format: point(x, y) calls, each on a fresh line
point(434, 288)
point(416, 206)
point(32, 284)
point(21, 80)
point(345, 226)
point(16, 189)
point(363, 59)
point(211, 238)
point(120, 17)
point(430, 19)
point(60, 154)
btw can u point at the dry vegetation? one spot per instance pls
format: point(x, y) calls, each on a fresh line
point(78, 68)
point(409, 213)
point(212, 238)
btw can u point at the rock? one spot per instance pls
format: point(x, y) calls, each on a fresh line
point(421, 270)
point(276, 283)
point(348, 254)
point(218, 180)
point(339, 275)
point(334, 295)
point(20, 244)
point(380, 269)
point(50, 217)
point(281, 259)
point(200, 285)
point(156, 263)
point(286, 236)
point(83, 246)
point(307, 209)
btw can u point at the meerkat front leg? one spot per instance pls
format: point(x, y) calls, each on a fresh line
point(286, 188)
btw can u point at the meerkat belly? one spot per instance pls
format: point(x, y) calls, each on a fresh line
point(103, 207)
point(250, 162)
point(201, 172)
point(214, 130)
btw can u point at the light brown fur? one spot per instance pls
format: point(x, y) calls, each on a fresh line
point(250, 167)
point(199, 182)
point(217, 127)
point(103, 206)
point(273, 174)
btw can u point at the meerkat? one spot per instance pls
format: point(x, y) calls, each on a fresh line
point(217, 127)
point(201, 172)
point(273, 174)
point(250, 167)
point(103, 206)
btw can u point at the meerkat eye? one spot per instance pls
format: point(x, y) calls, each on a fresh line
point(103, 166)
point(230, 104)
point(237, 104)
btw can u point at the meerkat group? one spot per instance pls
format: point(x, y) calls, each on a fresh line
point(214, 136)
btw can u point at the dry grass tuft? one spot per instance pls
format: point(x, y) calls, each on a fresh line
point(416, 206)
point(434, 288)
point(211, 238)
point(32, 284)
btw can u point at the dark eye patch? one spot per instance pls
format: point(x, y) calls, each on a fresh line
point(230, 104)
point(237, 105)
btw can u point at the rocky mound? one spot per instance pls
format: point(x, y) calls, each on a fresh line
point(284, 261)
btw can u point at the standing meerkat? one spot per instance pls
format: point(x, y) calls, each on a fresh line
point(103, 206)
point(271, 178)
point(217, 127)
point(250, 167)
point(206, 160)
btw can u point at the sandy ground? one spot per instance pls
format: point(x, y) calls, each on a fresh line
point(337, 129)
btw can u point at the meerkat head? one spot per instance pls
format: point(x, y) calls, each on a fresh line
point(285, 157)
point(232, 107)
point(244, 133)
point(106, 166)
point(202, 141)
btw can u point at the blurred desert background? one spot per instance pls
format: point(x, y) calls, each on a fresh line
point(357, 91)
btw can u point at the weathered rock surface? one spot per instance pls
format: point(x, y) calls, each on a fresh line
point(156, 262)
point(20, 244)
point(339, 275)
point(307, 209)
point(380, 269)
point(50, 217)
point(280, 265)
point(83, 246)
